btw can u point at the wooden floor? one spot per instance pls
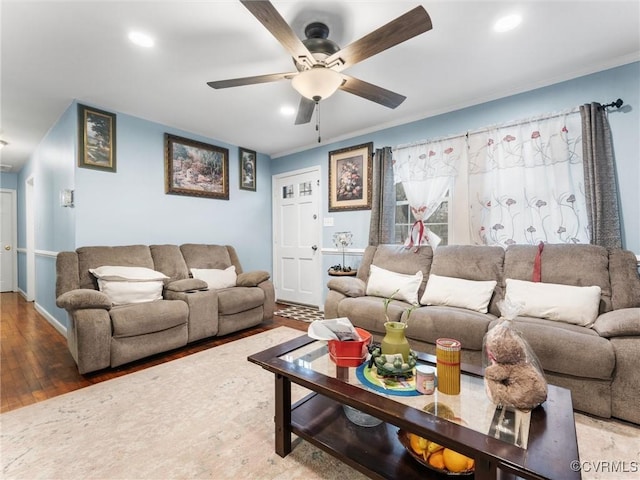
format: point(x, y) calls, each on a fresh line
point(35, 363)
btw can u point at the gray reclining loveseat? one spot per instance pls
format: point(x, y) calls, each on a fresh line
point(104, 333)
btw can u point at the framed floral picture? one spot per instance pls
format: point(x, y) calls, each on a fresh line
point(195, 168)
point(248, 169)
point(97, 135)
point(350, 178)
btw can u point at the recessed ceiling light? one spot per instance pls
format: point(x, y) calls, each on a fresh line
point(141, 39)
point(507, 23)
point(287, 110)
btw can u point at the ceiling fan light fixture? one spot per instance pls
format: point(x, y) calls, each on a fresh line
point(317, 83)
point(507, 23)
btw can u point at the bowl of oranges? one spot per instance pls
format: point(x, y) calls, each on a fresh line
point(435, 456)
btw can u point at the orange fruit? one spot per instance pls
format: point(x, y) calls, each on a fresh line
point(418, 444)
point(454, 461)
point(436, 460)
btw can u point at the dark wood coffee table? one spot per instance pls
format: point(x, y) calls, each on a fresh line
point(543, 448)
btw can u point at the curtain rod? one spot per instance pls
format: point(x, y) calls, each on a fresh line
point(618, 103)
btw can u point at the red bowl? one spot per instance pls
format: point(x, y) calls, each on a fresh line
point(351, 353)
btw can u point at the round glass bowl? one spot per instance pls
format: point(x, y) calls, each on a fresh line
point(360, 418)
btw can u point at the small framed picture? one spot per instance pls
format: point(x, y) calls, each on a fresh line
point(248, 165)
point(97, 134)
point(195, 168)
point(350, 178)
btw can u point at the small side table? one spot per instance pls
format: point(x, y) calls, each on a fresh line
point(339, 273)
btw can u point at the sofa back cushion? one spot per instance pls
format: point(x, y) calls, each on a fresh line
point(198, 255)
point(472, 262)
point(125, 256)
point(397, 258)
point(168, 259)
point(577, 265)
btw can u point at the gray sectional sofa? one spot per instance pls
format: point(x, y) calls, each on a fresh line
point(599, 363)
point(101, 334)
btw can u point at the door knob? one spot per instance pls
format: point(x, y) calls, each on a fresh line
point(7, 247)
point(314, 247)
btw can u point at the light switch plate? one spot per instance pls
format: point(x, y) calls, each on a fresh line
point(328, 221)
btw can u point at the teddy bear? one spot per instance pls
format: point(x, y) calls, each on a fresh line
point(512, 376)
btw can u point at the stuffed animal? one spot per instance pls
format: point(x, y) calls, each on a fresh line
point(512, 375)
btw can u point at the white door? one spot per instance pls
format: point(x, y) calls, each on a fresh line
point(296, 214)
point(8, 240)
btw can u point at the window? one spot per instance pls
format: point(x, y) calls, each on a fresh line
point(438, 222)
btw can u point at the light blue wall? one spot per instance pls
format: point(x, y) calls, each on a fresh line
point(9, 181)
point(52, 169)
point(604, 87)
point(131, 207)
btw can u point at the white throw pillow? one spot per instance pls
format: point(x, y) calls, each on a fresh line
point(563, 303)
point(216, 279)
point(122, 292)
point(458, 292)
point(383, 283)
point(133, 274)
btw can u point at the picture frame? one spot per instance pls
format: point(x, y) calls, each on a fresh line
point(195, 168)
point(350, 178)
point(248, 163)
point(97, 139)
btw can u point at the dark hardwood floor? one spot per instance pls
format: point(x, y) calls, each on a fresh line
point(35, 363)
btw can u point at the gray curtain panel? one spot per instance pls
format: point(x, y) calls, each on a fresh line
point(601, 190)
point(383, 207)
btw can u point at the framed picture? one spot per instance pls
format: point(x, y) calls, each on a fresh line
point(248, 165)
point(350, 178)
point(97, 134)
point(195, 168)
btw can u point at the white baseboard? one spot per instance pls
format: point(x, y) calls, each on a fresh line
point(62, 330)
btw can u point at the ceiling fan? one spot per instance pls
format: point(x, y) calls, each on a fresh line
point(320, 61)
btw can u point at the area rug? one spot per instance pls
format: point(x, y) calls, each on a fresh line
point(208, 415)
point(300, 312)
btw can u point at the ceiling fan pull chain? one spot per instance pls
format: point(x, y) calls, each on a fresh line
point(318, 120)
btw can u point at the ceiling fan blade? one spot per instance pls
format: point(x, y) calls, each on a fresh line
point(305, 111)
point(238, 82)
point(406, 26)
point(266, 13)
point(372, 92)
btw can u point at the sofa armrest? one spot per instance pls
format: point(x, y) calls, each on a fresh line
point(269, 306)
point(187, 285)
point(348, 286)
point(624, 322)
point(252, 279)
point(83, 298)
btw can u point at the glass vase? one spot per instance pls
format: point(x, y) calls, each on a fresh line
point(395, 340)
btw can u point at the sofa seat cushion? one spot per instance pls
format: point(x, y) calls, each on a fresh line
point(368, 312)
point(144, 318)
point(427, 324)
point(568, 349)
point(239, 299)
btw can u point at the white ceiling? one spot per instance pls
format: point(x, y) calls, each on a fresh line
point(54, 52)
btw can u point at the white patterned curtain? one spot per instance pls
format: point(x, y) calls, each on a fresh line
point(526, 183)
point(426, 171)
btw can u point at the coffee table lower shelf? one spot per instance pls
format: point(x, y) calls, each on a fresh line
point(374, 451)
